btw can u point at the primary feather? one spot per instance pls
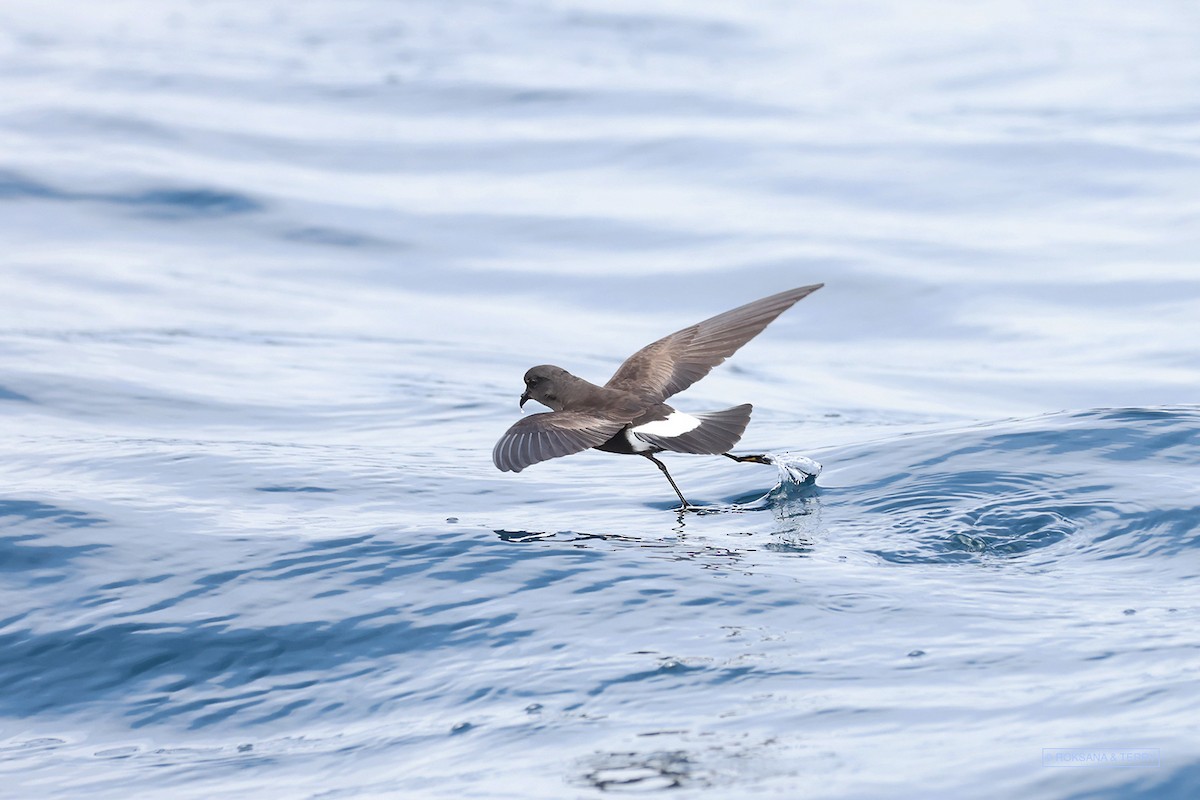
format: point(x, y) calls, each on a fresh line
point(675, 362)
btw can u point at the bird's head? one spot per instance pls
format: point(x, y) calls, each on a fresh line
point(546, 384)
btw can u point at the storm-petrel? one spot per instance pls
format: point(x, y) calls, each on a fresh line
point(627, 414)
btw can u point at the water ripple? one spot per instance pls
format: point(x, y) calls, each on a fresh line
point(1011, 489)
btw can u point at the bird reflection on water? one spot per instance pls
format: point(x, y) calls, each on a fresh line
point(795, 495)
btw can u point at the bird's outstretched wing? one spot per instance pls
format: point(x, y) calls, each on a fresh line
point(541, 437)
point(675, 362)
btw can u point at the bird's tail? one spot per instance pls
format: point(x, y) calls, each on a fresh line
point(717, 432)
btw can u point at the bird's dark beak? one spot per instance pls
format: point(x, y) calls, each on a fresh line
point(524, 399)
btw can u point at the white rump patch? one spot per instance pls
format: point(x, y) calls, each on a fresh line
point(676, 424)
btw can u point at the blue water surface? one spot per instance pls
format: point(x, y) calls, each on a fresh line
point(271, 274)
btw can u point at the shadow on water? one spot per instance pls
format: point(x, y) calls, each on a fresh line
point(521, 537)
point(788, 501)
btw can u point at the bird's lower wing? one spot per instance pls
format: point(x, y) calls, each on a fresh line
point(675, 362)
point(541, 437)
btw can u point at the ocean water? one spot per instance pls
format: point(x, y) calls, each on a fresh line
point(270, 276)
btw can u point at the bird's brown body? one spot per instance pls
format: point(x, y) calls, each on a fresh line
point(627, 415)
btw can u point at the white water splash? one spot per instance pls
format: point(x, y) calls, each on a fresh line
point(793, 468)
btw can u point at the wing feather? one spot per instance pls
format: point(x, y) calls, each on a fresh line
point(675, 362)
point(541, 437)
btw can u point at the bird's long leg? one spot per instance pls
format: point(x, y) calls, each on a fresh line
point(663, 467)
point(749, 459)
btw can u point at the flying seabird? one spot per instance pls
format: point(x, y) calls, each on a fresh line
point(627, 415)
